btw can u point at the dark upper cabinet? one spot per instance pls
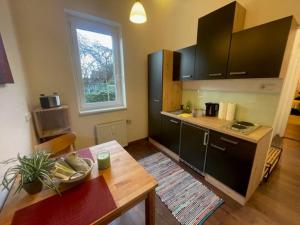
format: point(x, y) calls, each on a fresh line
point(193, 146)
point(259, 51)
point(184, 63)
point(230, 160)
point(155, 70)
point(225, 51)
point(170, 133)
point(213, 41)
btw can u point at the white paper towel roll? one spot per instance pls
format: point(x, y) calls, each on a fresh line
point(230, 111)
point(222, 110)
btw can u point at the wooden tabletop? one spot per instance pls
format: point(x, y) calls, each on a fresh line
point(126, 179)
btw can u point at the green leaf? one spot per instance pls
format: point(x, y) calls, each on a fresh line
point(36, 166)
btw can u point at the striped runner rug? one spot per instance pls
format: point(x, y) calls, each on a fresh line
point(187, 198)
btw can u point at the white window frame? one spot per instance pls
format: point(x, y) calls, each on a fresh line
point(90, 23)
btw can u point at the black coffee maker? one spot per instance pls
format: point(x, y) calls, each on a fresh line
point(211, 109)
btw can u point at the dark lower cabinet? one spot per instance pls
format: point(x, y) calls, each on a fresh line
point(170, 133)
point(193, 146)
point(154, 119)
point(230, 160)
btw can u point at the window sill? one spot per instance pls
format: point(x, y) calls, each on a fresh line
point(97, 111)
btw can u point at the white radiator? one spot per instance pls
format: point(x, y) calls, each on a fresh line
point(115, 130)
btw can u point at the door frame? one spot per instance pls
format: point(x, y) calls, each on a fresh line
point(288, 89)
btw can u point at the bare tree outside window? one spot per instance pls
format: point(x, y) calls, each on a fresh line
point(97, 66)
point(98, 63)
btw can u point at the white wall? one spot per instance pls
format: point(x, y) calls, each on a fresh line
point(172, 24)
point(45, 43)
point(15, 132)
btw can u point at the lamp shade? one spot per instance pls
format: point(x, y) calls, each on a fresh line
point(137, 13)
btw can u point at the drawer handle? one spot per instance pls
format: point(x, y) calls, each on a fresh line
point(205, 141)
point(215, 74)
point(218, 147)
point(187, 76)
point(238, 73)
point(229, 141)
point(174, 121)
point(156, 100)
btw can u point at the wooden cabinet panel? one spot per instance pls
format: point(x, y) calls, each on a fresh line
point(170, 133)
point(213, 42)
point(258, 52)
point(193, 145)
point(185, 60)
point(230, 160)
point(171, 89)
point(155, 68)
point(51, 122)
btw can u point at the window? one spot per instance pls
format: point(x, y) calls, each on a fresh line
point(98, 60)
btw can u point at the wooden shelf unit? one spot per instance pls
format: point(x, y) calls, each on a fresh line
point(51, 122)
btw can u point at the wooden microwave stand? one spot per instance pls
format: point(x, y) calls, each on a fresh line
point(51, 122)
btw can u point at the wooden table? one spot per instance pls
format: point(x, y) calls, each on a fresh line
point(127, 181)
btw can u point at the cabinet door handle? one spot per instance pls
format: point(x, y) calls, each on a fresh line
point(229, 141)
point(218, 147)
point(187, 76)
point(238, 73)
point(205, 141)
point(155, 100)
point(174, 121)
point(215, 74)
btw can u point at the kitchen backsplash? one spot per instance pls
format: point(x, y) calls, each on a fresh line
point(251, 106)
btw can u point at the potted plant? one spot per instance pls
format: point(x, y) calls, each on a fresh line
point(34, 171)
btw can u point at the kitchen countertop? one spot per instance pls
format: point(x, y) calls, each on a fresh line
point(219, 125)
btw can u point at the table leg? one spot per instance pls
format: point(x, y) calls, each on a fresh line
point(150, 208)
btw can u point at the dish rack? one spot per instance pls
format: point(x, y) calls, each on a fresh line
point(273, 156)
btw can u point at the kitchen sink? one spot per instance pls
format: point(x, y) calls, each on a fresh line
point(181, 113)
point(177, 112)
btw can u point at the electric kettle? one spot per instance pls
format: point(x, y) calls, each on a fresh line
point(211, 109)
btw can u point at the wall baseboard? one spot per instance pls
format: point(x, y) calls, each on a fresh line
point(137, 141)
point(164, 149)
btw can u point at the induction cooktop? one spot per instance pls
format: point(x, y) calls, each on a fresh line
point(243, 127)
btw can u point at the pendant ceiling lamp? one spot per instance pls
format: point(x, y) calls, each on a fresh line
point(137, 13)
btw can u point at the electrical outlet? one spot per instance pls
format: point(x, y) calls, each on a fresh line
point(267, 87)
point(128, 121)
point(27, 116)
